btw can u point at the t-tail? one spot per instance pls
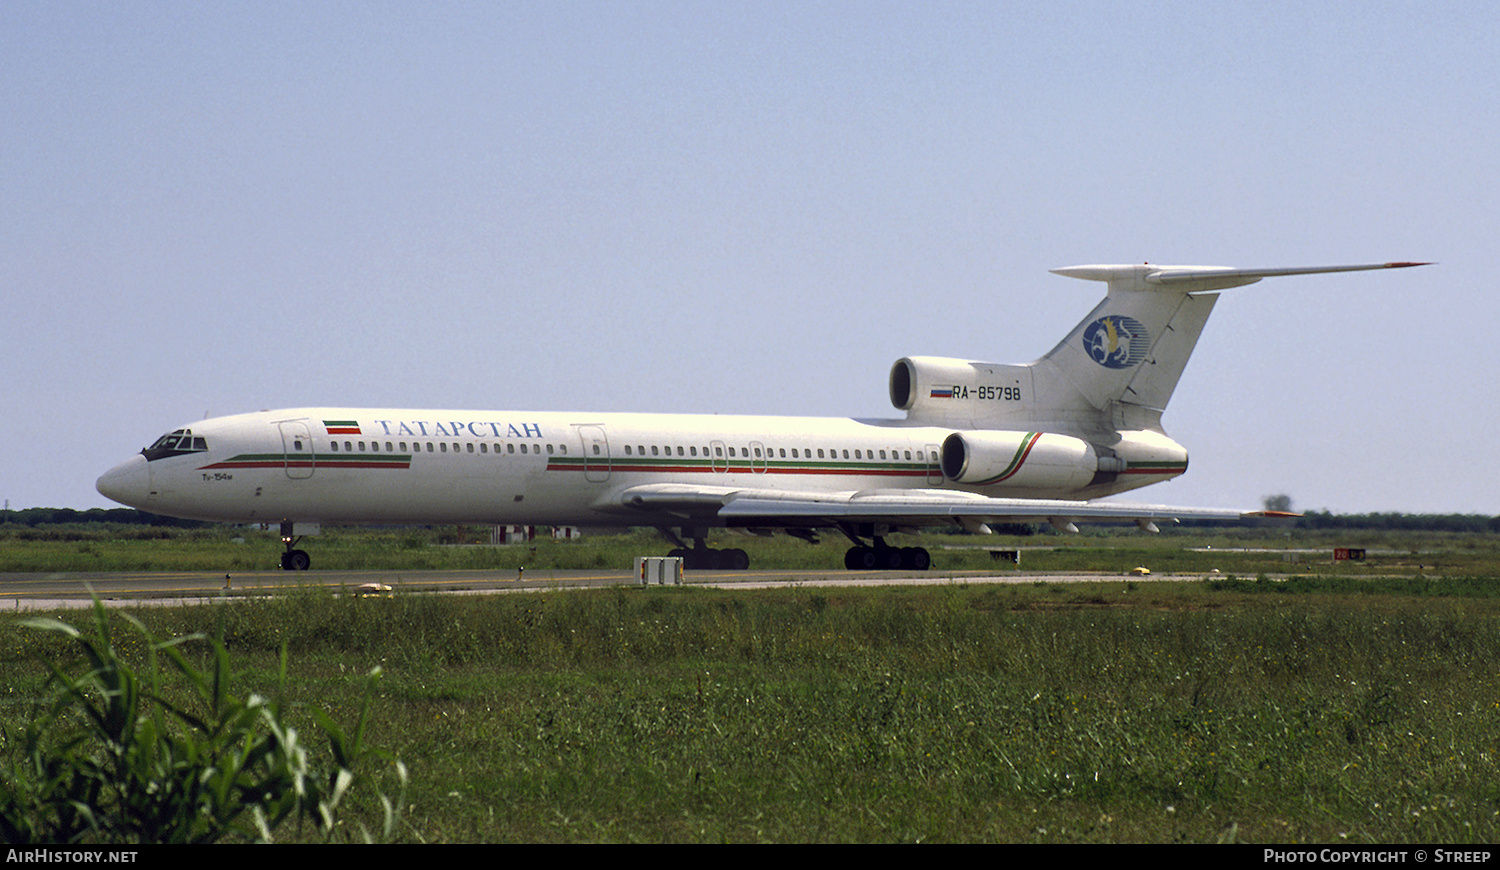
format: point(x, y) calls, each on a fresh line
point(1122, 363)
point(1105, 385)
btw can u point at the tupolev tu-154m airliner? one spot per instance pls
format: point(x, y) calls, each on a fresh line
point(981, 443)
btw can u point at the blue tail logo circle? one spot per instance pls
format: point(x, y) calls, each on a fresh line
point(1116, 341)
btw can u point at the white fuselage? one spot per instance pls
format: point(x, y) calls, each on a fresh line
point(343, 465)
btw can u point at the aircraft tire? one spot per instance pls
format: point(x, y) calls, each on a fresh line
point(734, 560)
point(916, 558)
point(296, 560)
point(862, 559)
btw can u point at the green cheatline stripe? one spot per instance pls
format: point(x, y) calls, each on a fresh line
point(340, 422)
point(1022, 451)
point(277, 460)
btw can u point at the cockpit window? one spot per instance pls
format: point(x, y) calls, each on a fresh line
point(176, 443)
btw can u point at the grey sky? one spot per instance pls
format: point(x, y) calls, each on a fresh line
point(747, 208)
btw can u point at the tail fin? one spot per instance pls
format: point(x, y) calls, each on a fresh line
point(1126, 357)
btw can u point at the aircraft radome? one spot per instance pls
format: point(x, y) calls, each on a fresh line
point(981, 443)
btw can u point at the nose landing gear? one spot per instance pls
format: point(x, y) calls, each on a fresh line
point(293, 559)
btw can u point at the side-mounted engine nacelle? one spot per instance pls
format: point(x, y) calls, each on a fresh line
point(1021, 460)
point(943, 390)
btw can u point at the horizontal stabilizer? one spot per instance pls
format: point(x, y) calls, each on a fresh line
point(1198, 279)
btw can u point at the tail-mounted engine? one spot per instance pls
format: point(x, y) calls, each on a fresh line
point(958, 392)
point(1021, 461)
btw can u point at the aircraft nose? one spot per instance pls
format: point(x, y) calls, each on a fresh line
point(127, 483)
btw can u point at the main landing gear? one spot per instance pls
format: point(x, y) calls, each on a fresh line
point(293, 559)
point(877, 556)
point(701, 557)
point(707, 559)
point(881, 556)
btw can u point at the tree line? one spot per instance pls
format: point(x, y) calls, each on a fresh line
point(44, 516)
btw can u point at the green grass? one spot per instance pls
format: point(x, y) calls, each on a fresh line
point(106, 547)
point(1045, 712)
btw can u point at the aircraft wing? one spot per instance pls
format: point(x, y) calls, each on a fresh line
point(900, 507)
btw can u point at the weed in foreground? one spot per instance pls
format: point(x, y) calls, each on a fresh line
point(117, 756)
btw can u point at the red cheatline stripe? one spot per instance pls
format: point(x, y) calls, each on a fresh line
point(737, 468)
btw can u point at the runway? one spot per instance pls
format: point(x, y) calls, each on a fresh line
point(52, 591)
